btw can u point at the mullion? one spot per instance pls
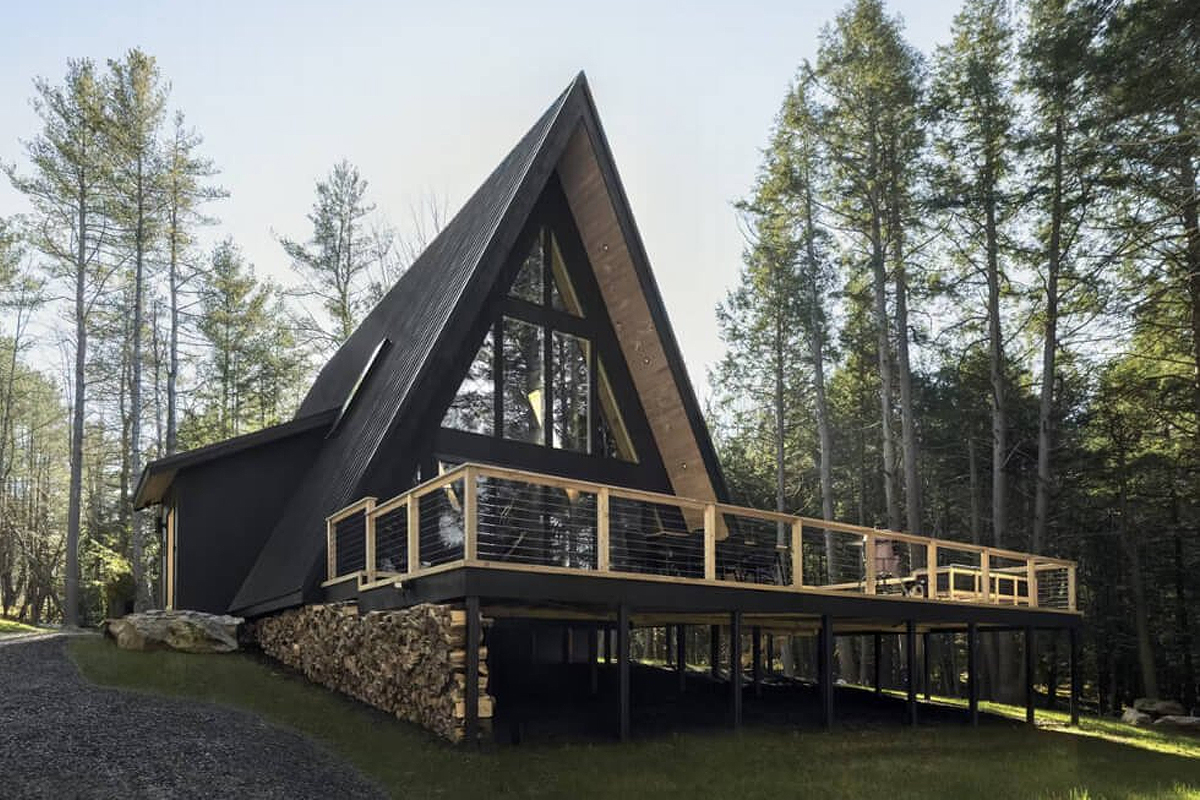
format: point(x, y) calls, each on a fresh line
point(547, 347)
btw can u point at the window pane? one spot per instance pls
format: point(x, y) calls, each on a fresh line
point(614, 438)
point(571, 392)
point(528, 285)
point(562, 293)
point(524, 387)
point(472, 409)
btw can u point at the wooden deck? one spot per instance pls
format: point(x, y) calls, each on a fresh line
point(489, 518)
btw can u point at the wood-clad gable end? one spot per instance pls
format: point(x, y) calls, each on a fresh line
point(624, 296)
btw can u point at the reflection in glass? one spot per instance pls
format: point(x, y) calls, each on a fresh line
point(472, 409)
point(524, 388)
point(571, 392)
point(528, 285)
point(615, 441)
point(562, 293)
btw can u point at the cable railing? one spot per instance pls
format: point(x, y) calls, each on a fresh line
point(484, 516)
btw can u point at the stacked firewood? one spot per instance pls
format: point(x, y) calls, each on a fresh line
point(410, 662)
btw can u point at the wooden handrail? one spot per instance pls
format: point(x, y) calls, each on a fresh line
point(1028, 565)
point(362, 504)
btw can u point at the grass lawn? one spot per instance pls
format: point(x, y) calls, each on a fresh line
point(9, 626)
point(947, 761)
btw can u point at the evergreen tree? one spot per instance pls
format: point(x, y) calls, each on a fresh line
point(335, 265)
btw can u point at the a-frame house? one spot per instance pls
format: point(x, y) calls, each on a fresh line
point(521, 399)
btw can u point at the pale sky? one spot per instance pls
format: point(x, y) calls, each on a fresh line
point(428, 97)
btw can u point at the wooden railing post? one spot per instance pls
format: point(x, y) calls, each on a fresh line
point(710, 542)
point(414, 534)
point(869, 565)
point(1071, 587)
point(931, 590)
point(1032, 580)
point(603, 555)
point(330, 551)
point(798, 554)
point(369, 532)
point(985, 574)
point(470, 515)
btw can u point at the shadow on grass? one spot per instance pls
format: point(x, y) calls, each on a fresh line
point(937, 761)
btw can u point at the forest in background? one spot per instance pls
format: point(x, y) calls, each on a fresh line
point(165, 344)
point(970, 308)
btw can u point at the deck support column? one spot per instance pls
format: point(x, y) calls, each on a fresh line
point(1074, 633)
point(608, 644)
point(875, 664)
point(593, 642)
point(973, 672)
point(471, 714)
point(770, 654)
point(910, 670)
point(756, 646)
point(735, 668)
point(681, 656)
point(623, 671)
point(825, 669)
point(927, 663)
point(714, 654)
point(1029, 668)
point(669, 644)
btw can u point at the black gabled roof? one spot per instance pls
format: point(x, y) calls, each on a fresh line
point(158, 474)
point(423, 315)
point(414, 314)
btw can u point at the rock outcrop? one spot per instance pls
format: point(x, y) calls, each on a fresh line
point(1159, 708)
point(188, 631)
point(1179, 722)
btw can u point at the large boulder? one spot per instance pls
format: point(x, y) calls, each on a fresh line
point(1179, 722)
point(1159, 708)
point(189, 631)
point(1134, 717)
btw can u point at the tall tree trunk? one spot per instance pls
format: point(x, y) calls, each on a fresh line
point(999, 409)
point(75, 487)
point(141, 589)
point(912, 479)
point(173, 344)
point(1137, 587)
point(973, 471)
point(883, 343)
point(1041, 508)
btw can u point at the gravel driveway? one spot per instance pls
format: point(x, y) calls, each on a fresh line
point(62, 737)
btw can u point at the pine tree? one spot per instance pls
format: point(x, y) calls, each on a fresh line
point(65, 190)
point(335, 265)
point(134, 115)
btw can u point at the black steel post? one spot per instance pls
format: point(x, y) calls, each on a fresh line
point(877, 665)
point(608, 645)
point(910, 669)
point(471, 715)
point(756, 646)
point(770, 654)
point(973, 672)
point(926, 663)
point(1029, 647)
point(623, 669)
point(681, 656)
point(593, 642)
point(735, 668)
point(714, 655)
point(825, 664)
point(1074, 632)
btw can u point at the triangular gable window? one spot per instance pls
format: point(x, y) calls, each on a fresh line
point(546, 368)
